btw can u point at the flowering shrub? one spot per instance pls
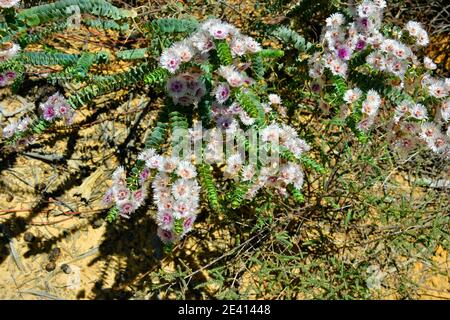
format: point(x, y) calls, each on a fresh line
point(222, 139)
point(374, 68)
point(212, 87)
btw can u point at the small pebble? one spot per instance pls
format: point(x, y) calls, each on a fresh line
point(50, 266)
point(66, 268)
point(54, 254)
point(9, 197)
point(28, 237)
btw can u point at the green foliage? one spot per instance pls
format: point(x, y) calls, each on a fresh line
point(37, 36)
point(271, 53)
point(293, 38)
point(209, 186)
point(296, 194)
point(258, 66)
point(312, 164)
point(173, 25)
point(224, 53)
point(132, 54)
point(109, 83)
point(49, 59)
point(61, 10)
point(156, 76)
point(113, 213)
point(251, 104)
point(237, 196)
point(40, 126)
point(133, 177)
point(158, 135)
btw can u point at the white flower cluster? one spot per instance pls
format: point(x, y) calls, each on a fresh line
point(369, 107)
point(414, 129)
point(126, 201)
point(186, 89)
point(18, 126)
point(415, 30)
point(8, 3)
point(7, 78)
point(343, 40)
point(202, 41)
point(271, 174)
point(176, 193)
point(56, 107)
point(8, 50)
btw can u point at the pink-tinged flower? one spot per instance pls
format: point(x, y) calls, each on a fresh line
point(23, 124)
point(445, 110)
point(166, 236)
point(147, 154)
point(352, 95)
point(222, 92)
point(49, 112)
point(225, 122)
point(419, 111)
point(181, 189)
point(161, 181)
point(422, 38)
point(121, 193)
point(143, 176)
point(219, 31)
point(186, 170)
point(233, 77)
point(154, 162)
point(126, 208)
point(246, 119)
point(202, 41)
point(428, 131)
point(437, 90)
point(63, 109)
point(365, 23)
point(405, 144)
point(410, 127)
point(165, 219)
point(248, 172)
point(365, 124)
point(344, 53)
point(335, 20)
point(414, 28)
point(183, 50)
point(169, 164)
point(10, 75)
point(274, 99)
point(9, 130)
point(169, 60)
point(360, 45)
point(139, 196)
point(339, 68)
point(429, 64)
point(182, 208)
point(188, 223)
point(238, 46)
point(108, 197)
point(176, 87)
point(438, 143)
point(251, 45)
point(3, 80)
